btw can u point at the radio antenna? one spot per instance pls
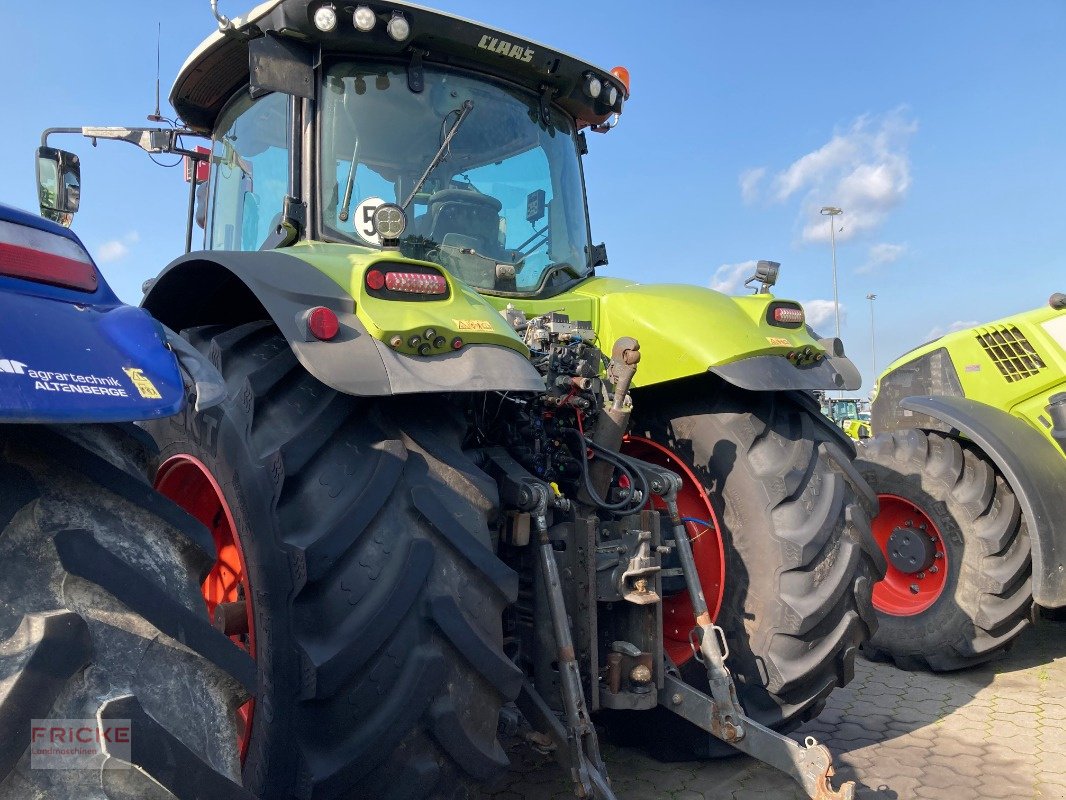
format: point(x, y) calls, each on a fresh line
point(157, 117)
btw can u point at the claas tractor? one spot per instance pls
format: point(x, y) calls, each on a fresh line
point(459, 472)
point(850, 413)
point(967, 462)
point(115, 682)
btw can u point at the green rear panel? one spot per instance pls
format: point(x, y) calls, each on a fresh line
point(1014, 364)
point(464, 314)
point(682, 330)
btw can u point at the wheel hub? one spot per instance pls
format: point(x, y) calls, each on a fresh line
point(910, 550)
point(917, 558)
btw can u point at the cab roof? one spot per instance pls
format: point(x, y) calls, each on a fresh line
point(218, 68)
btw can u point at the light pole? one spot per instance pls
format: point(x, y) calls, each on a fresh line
point(873, 341)
point(832, 212)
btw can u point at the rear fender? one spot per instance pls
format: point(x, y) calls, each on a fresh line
point(235, 287)
point(1034, 469)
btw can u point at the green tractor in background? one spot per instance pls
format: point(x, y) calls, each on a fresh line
point(440, 483)
point(852, 414)
point(968, 464)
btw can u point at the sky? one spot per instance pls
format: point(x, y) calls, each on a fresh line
point(938, 128)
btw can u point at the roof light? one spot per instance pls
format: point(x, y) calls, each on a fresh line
point(593, 86)
point(37, 255)
point(326, 19)
point(399, 28)
point(612, 95)
point(623, 75)
point(364, 19)
point(416, 283)
point(322, 323)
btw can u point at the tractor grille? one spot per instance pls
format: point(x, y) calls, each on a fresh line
point(1010, 351)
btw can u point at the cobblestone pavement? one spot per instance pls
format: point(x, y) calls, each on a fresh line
point(997, 731)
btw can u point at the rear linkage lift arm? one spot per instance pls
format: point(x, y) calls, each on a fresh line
point(577, 746)
point(721, 714)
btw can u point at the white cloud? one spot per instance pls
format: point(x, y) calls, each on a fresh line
point(729, 278)
point(864, 169)
point(944, 330)
point(819, 314)
point(750, 180)
point(116, 249)
point(880, 255)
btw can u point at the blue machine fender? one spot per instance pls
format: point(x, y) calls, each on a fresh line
point(1033, 468)
point(66, 362)
point(228, 287)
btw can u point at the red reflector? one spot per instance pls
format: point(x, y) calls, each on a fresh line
point(416, 283)
point(322, 323)
point(789, 316)
point(457, 343)
point(374, 279)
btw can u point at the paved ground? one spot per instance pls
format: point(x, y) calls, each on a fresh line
point(998, 731)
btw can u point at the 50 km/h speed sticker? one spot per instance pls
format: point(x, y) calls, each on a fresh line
point(363, 220)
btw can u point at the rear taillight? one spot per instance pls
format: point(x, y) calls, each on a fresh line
point(785, 315)
point(406, 281)
point(416, 283)
point(44, 257)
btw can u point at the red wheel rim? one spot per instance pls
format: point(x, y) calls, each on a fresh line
point(190, 484)
point(904, 594)
point(707, 551)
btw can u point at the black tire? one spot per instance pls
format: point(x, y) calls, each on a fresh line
point(987, 598)
point(378, 598)
point(800, 561)
point(101, 617)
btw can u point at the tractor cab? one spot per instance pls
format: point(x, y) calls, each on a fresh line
point(851, 414)
point(467, 139)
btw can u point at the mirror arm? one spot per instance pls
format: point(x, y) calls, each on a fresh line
point(151, 140)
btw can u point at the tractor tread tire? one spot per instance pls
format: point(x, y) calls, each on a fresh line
point(372, 564)
point(800, 559)
point(988, 602)
point(101, 612)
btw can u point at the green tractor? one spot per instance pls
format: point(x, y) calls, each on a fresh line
point(440, 486)
point(850, 413)
point(968, 467)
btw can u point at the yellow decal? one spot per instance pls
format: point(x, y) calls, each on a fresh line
point(142, 384)
point(472, 324)
point(778, 342)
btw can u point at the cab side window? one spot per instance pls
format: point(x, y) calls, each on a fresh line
point(249, 172)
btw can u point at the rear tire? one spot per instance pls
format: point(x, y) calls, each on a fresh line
point(377, 597)
point(101, 617)
point(794, 517)
point(987, 594)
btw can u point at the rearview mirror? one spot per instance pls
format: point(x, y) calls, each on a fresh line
point(58, 184)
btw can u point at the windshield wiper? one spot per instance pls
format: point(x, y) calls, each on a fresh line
point(349, 184)
point(463, 110)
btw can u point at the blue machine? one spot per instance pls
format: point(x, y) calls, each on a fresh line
point(70, 350)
